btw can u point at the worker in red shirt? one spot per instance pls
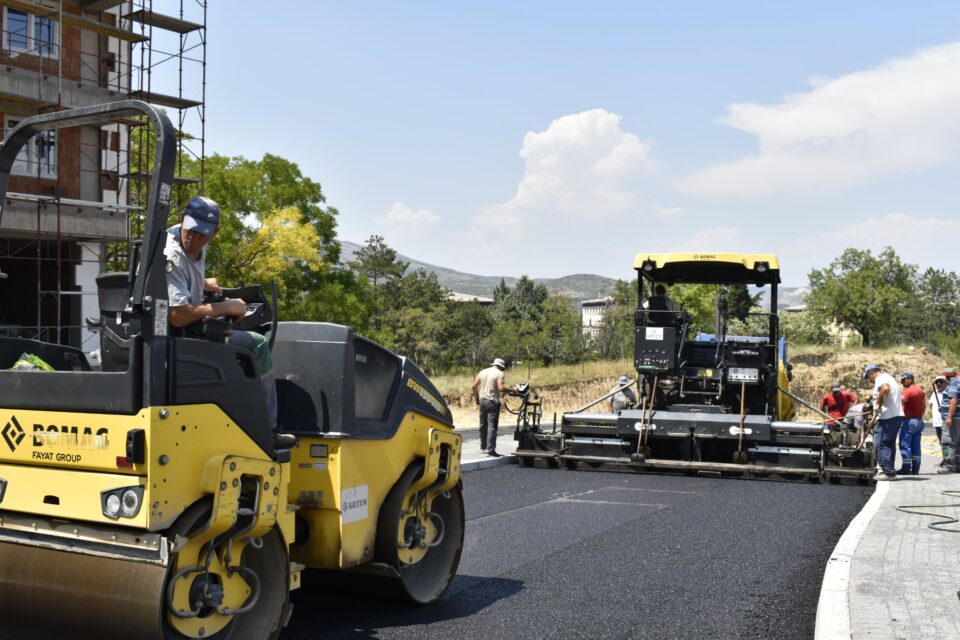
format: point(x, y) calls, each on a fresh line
point(836, 403)
point(914, 402)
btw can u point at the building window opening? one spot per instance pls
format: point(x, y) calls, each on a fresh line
point(39, 154)
point(26, 33)
point(17, 21)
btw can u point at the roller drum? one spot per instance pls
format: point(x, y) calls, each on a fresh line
point(47, 593)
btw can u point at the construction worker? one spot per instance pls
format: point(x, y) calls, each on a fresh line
point(837, 402)
point(951, 420)
point(914, 406)
point(659, 301)
point(624, 398)
point(487, 387)
point(886, 402)
point(186, 254)
point(936, 397)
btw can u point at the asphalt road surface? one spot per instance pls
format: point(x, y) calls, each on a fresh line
point(596, 554)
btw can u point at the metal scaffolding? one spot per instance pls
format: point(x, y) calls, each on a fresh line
point(62, 54)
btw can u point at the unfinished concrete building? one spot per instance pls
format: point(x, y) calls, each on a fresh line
point(73, 194)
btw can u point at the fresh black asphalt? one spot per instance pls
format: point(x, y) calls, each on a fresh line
point(598, 554)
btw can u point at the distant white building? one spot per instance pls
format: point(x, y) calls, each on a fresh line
point(592, 312)
point(468, 297)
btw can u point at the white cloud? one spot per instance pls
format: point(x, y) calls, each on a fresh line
point(716, 239)
point(894, 119)
point(583, 165)
point(666, 211)
point(916, 240)
point(400, 215)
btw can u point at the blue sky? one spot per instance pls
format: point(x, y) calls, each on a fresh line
point(556, 138)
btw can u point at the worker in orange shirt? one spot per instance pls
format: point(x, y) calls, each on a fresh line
point(837, 402)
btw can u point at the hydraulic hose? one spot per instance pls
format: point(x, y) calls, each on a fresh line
point(944, 522)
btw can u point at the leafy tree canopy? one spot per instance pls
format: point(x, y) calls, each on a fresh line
point(864, 291)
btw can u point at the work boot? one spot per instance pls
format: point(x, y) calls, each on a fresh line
point(883, 476)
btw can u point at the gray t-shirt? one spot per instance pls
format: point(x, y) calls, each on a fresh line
point(185, 276)
point(623, 398)
point(489, 389)
point(854, 417)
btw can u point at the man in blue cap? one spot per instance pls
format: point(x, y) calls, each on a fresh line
point(186, 253)
point(886, 403)
point(624, 398)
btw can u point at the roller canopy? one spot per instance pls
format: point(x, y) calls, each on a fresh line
point(709, 268)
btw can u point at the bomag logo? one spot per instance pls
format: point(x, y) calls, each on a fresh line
point(13, 433)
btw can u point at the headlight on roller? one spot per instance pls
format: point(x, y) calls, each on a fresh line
point(129, 503)
point(124, 502)
point(111, 506)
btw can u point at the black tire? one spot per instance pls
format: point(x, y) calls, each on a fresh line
point(425, 581)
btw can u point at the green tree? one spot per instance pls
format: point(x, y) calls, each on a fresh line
point(558, 325)
point(614, 336)
point(739, 302)
point(246, 191)
point(866, 292)
point(607, 341)
point(249, 193)
point(522, 302)
point(700, 301)
point(378, 263)
point(415, 318)
point(802, 327)
point(341, 297)
point(471, 324)
point(935, 312)
point(500, 292)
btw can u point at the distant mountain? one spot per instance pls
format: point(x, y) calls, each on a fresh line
point(581, 286)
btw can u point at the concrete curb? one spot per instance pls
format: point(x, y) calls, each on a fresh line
point(833, 608)
point(476, 465)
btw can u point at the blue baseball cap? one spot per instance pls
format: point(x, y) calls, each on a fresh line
point(869, 368)
point(201, 215)
point(906, 374)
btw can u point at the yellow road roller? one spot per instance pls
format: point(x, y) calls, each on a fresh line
point(147, 497)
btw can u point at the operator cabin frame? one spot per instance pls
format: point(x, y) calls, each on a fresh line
point(658, 353)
